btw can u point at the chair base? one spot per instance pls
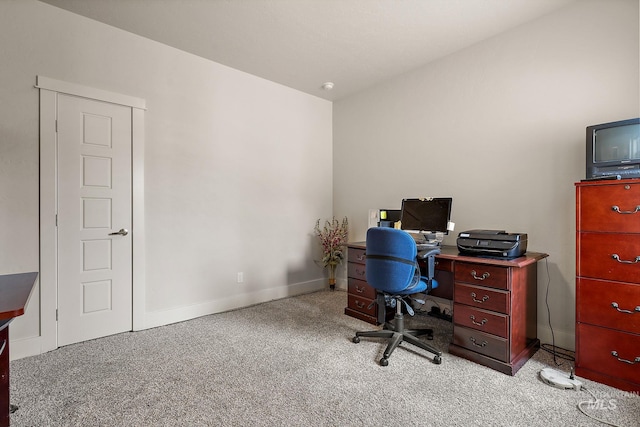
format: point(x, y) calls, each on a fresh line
point(396, 334)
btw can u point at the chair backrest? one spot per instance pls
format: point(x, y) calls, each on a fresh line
point(391, 259)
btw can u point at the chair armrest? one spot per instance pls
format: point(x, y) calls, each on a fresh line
point(430, 256)
point(428, 253)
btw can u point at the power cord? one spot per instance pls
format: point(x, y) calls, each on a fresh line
point(567, 355)
point(593, 403)
point(558, 352)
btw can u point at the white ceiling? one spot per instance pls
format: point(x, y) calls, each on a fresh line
point(304, 43)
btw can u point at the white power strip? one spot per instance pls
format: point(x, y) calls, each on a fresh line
point(559, 379)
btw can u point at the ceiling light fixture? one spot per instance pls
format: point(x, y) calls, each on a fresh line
point(327, 86)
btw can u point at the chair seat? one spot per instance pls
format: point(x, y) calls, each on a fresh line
point(419, 287)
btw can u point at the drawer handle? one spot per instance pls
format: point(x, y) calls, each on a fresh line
point(359, 304)
point(359, 289)
point(622, 261)
point(360, 272)
point(473, 320)
point(361, 257)
point(482, 344)
point(636, 360)
point(617, 307)
point(484, 275)
point(617, 209)
point(484, 298)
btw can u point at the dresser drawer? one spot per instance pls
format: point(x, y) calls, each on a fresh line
point(362, 305)
point(481, 320)
point(597, 301)
point(480, 274)
point(482, 343)
point(609, 256)
point(361, 288)
point(481, 297)
point(610, 352)
point(599, 206)
point(356, 255)
point(357, 271)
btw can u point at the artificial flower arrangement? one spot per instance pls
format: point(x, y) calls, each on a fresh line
point(333, 239)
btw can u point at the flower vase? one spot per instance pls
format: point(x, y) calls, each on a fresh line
point(332, 277)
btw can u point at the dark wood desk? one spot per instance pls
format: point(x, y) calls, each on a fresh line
point(15, 290)
point(494, 304)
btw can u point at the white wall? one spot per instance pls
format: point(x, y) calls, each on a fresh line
point(500, 127)
point(237, 169)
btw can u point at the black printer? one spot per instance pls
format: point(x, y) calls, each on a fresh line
point(494, 243)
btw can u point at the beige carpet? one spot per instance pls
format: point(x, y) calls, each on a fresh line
point(289, 362)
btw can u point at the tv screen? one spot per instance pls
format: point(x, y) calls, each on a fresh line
point(429, 215)
point(617, 143)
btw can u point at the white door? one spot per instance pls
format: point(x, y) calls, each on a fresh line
point(94, 219)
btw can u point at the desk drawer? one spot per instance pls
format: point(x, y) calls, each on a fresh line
point(596, 300)
point(357, 271)
point(481, 320)
point(597, 210)
point(444, 265)
point(361, 288)
point(481, 297)
point(595, 348)
point(356, 255)
point(481, 274)
point(480, 342)
point(362, 305)
point(609, 256)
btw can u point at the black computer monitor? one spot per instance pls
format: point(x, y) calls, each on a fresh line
point(429, 215)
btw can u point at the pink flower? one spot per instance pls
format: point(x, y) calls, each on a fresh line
point(333, 238)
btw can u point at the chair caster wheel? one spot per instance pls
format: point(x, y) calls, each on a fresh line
point(384, 362)
point(437, 360)
point(430, 337)
point(356, 339)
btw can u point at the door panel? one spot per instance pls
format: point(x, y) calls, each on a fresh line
point(94, 201)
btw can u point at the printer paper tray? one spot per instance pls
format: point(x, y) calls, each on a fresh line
point(513, 252)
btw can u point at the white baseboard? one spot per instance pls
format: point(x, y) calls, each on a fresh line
point(25, 347)
point(174, 315)
point(32, 346)
point(341, 284)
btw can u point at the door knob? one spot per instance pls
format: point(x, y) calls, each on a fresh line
point(122, 232)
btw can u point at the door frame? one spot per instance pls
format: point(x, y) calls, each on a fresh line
point(49, 89)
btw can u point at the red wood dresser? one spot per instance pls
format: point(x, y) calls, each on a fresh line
point(608, 282)
point(495, 310)
point(15, 290)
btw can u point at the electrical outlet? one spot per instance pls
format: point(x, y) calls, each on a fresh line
point(240, 278)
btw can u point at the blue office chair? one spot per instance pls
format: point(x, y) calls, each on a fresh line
point(392, 269)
